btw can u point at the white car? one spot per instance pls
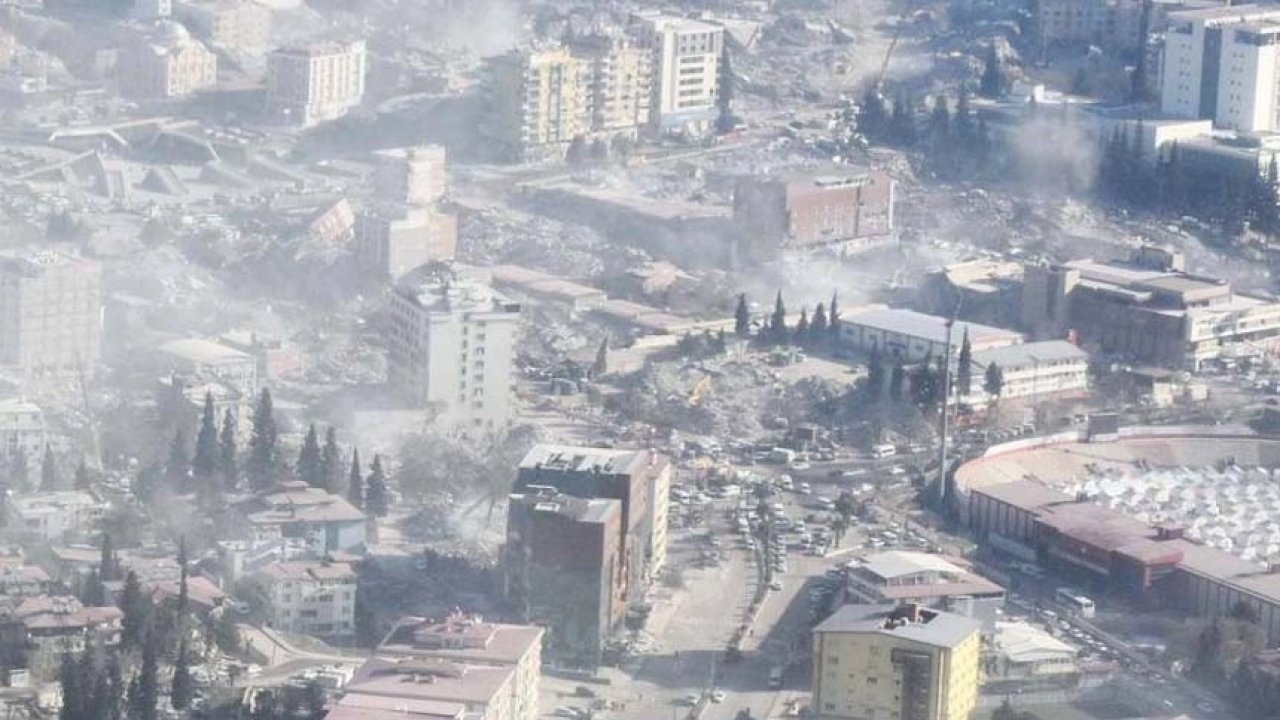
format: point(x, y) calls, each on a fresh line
point(804, 488)
point(717, 696)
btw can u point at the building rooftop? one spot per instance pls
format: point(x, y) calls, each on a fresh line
point(362, 706)
point(575, 458)
point(1227, 14)
point(462, 637)
point(1025, 643)
point(983, 276)
point(413, 678)
point(317, 570)
point(584, 510)
point(445, 295)
point(298, 502)
point(909, 622)
point(1030, 354)
point(932, 328)
point(53, 502)
point(897, 563)
point(204, 352)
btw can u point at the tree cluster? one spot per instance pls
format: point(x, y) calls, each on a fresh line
point(956, 144)
point(1166, 185)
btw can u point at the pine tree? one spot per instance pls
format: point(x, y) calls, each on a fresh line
point(964, 369)
point(724, 101)
point(177, 468)
point(741, 317)
point(135, 612)
point(261, 465)
point(992, 83)
point(309, 468)
point(184, 600)
point(331, 461)
point(896, 380)
point(601, 365)
point(801, 336)
point(84, 478)
point(227, 450)
point(993, 381)
point(778, 322)
point(355, 482)
point(108, 564)
point(180, 689)
point(48, 471)
point(377, 500)
point(205, 462)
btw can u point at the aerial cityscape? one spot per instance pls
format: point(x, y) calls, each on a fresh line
point(639, 359)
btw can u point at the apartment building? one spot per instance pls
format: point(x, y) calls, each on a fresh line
point(470, 641)
point(806, 208)
point(1114, 25)
point(898, 577)
point(164, 62)
point(562, 567)
point(52, 516)
point(392, 240)
point(620, 74)
point(410, 175)
point(57, 625)
point(326, 522)
point(542, 101)
point(686, 56)
point(317, 82)
point(452, 349)
point(22, 429)
point(1221, 64)
point(310, 597)
point(639, 479)
point(50, 316)
point(901, 662)
point(242, 25)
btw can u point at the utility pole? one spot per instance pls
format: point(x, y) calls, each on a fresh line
point(944, 497)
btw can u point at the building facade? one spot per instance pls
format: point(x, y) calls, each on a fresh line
point(227, 24)
point(50, 316)
point(391, 240)
point(805, 209)
point(310, 597)
point(903, 662)
point(913, 337)
point(325, 522)
point(22, 429)
point(1035, 370)
point(541, 101)
point(639, 479)
point(562, 566)
point(316, 83)
point(165, 62)
point(410, 175)
point(686, 71)
point(898, 577)
point(452, 349)
point(620, 74)
point(1221, 64)
point(54, 516)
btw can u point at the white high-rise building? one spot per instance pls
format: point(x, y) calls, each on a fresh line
point(50, 316)
point(686, 70)
point(453, 347)
point(1223, 64)
point(410, 175)
point(316, 83)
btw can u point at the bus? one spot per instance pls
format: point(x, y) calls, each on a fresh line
point(1080, 605)
point(883, 451)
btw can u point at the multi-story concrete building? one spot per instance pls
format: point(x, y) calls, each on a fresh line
point(541, 102)
point(410, 175)
point(315, 83)
point(50, 316)
point(562, 567)
point(227, 24)
point(165, 62)
point(686, 70)
point(469, 640)
point(834, 206)
point(310, 597)
point(1035, 370)
point(22, 429)
point(392, 240)
point(57, 626)
point(207, 360)
point(1221, 64)
point(1114, 25)
point(53, 516)
point(620, 81)
point(326, 522)
point(911, 336)
point(452, 349)
point(898, 662)
point(639, 479)
point(935, 581)
point(1148, 308)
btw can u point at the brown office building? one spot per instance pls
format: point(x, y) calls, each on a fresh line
point(825, 206)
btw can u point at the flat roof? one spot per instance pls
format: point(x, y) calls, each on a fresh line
point(462, 637)
point(1022, 643)
point(1015, 356)
point(932, 328)
point(363, 706)
point(896, 563)
point(583, 510)
point(940, 629)
point(431, 679)
point(205, 352)
point(577, 458)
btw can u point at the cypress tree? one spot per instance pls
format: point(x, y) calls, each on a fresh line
point(19, 469)
point(964, 370)
point(355, 482)
point(993, 381)
point(377, 500)
point(205, 462)
point(72, 689)
point(833, 317)
point(94, 594)
point(896, 380)
point(148, 682)
point(108, 565)
point(875, 374)
point(261, 466)
point(778, 322)
point(802, 329)
point(741, 317)
point(180, 688)
point(135, 611)
point(331, 461)
point(84, 479)
point(818, 328)
point(309, 459)
point(108, 690)
point(177, 468)
point(601, 364)
point(48, 471)
point(227, 450)
point(992, 83)
point(724, 101)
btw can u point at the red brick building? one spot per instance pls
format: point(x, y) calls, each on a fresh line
point(823, 206)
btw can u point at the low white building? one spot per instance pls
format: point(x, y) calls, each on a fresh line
point(1021, 650)
point(310, 597)
point(55, 515)
point(1038, 370)
point(913, 336)
point(210, 360)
